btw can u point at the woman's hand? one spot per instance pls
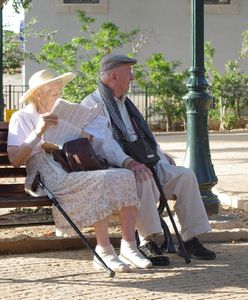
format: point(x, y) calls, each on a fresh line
point(46, 120)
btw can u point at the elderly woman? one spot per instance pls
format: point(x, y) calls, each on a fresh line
point(88, 197)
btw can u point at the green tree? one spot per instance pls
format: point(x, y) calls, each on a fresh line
point(18, 5)
point(82, 54)
point(229, 90)
point(13, 55)
point(159, 77)
point(244, 47)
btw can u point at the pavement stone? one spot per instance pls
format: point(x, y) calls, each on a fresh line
point(70, 275)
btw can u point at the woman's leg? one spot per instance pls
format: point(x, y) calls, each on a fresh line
point(106, 250)
point(129, 253)
point(101, 231)
point(128, 217)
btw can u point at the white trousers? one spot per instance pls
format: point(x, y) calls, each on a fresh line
point(178, 183)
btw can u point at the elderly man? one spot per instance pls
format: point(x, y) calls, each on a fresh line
point(125, 123)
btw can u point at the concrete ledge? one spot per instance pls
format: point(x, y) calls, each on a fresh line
point(38, 244)
point(221, 236)
point(232, 200)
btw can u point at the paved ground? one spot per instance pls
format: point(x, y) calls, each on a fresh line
point(229, 153)
point(69, 275)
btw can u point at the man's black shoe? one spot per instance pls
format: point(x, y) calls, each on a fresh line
point(151, 251)
point(196, 250)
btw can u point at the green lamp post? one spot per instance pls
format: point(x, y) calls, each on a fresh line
point(198, 101)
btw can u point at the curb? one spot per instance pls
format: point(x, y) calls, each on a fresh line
point(39, 244)
point(231, 200)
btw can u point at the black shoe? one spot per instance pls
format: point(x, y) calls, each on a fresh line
point(151, 251)
point(196, 250)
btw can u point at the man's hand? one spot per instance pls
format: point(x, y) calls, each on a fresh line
point(141, 172)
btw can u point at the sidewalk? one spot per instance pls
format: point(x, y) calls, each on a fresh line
point(229, 154)
point(69, 274)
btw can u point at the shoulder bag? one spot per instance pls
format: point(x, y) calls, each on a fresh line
point(78, 155)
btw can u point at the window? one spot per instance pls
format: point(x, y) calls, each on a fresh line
point(82, 1)
point(89, 6)
point(213, 2)
point(218, 7)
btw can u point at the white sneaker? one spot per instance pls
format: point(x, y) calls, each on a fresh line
point(131, 255)
point(110, 258)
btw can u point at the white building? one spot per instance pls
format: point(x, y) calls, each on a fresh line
point(167, 21)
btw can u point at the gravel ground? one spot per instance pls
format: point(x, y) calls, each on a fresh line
point(228, 218)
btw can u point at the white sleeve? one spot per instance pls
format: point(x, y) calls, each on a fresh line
point(19, 129)
point(97, 127)
point(21, 125)
point(109, 149)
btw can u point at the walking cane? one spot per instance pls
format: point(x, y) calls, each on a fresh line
point(165, 202)
point(37, 181)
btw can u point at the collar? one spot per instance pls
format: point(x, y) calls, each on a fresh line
point(122, 99)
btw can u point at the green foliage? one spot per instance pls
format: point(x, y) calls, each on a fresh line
point(229, 90)
point(13, 47)
point(159, 77)
point(82, 54)
point(18, 5)
point(229, 121)
point(13, 55)
point(244, 48)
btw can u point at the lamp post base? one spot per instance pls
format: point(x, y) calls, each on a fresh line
point(210, 200)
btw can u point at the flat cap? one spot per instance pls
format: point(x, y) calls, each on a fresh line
point(113, 61)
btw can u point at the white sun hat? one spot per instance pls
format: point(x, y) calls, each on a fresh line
point(43, 77)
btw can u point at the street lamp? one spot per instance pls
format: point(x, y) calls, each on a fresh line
point(198, 101)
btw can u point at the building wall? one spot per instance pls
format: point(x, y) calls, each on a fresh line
point(167, 21)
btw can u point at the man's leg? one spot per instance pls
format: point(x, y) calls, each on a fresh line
point(148, 223)
point(181, 183)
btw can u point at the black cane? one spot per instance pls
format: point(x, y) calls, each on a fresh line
point(164, 199)
point(37, 181)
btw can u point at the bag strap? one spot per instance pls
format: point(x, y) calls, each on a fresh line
point(135, 127)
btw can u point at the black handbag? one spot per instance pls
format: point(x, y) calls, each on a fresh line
point(78, 155)
point(140, 149)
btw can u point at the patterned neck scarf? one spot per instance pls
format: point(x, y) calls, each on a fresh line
point(119, 128)
point(120, 131)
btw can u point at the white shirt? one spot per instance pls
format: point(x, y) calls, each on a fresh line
point(108, 147)
point(21, 124)
point(126, 119)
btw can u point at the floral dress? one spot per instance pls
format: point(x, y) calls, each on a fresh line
point(87, 197)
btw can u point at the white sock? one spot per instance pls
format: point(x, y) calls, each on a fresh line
point(105, 249)
point(130, 254)
point(108, 255)
point(143, 240)
point(128, 243)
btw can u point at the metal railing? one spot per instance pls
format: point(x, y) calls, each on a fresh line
point(140, 97)
point(12, 94)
